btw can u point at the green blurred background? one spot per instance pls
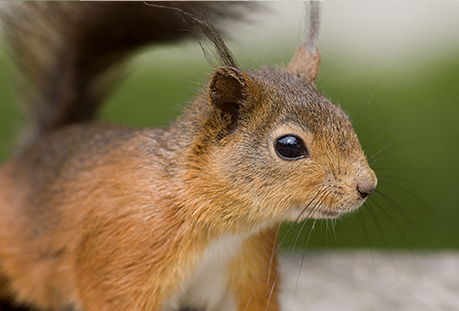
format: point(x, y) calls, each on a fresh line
point(393, 66)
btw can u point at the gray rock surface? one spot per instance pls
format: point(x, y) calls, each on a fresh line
point(359, 280)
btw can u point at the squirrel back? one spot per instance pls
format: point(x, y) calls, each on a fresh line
point(105, 217)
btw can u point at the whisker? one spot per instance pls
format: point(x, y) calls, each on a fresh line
point(314, 208)
point(402, 169)
point(378, 227)
point(398, 178)
point(333, 229)
point(276, 249)
point(369, 93)
point(272, 254)
point(302, 257)
point(305, 242)
point(384, 155)
point(376, 222)
point(274, 285)
point(401, 234)
point(377, 139)
point(370, 102)
point(363, 226)
point(321, 195)
point(333, 221)
point(398, 208)
point(316, 205)
point(394, 140)
point(394, 223)
point(309, 204)
point(415, 196)
point(322, 78)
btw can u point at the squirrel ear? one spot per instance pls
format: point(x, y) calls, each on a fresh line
point(307, 58)
point(305, 64)
point(228, 92)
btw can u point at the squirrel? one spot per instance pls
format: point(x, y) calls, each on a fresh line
point(100, 216)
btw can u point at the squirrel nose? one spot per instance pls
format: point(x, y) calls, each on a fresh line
point(364, 191)
point(366, 186)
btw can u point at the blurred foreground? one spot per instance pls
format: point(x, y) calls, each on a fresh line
point(360, 280)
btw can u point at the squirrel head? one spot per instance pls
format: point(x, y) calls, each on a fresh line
point(272, 148)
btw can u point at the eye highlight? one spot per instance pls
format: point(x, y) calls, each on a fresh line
point(290, 147)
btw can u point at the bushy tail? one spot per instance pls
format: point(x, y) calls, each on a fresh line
point(70, 52)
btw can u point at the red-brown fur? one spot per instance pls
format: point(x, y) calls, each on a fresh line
point(104, 217)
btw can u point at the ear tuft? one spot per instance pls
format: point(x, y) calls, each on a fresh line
point(305, 64)
point(228, 91)
point(307, 58)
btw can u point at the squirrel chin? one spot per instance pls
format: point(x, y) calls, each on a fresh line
point(299, 214)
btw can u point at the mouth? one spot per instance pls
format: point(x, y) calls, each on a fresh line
point(325, 212)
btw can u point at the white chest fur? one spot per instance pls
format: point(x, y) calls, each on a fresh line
point(207, 288)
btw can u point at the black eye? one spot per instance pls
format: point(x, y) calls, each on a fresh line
point(291, 147)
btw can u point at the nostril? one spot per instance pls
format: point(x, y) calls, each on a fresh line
point(364, 191)
point(365, 182)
